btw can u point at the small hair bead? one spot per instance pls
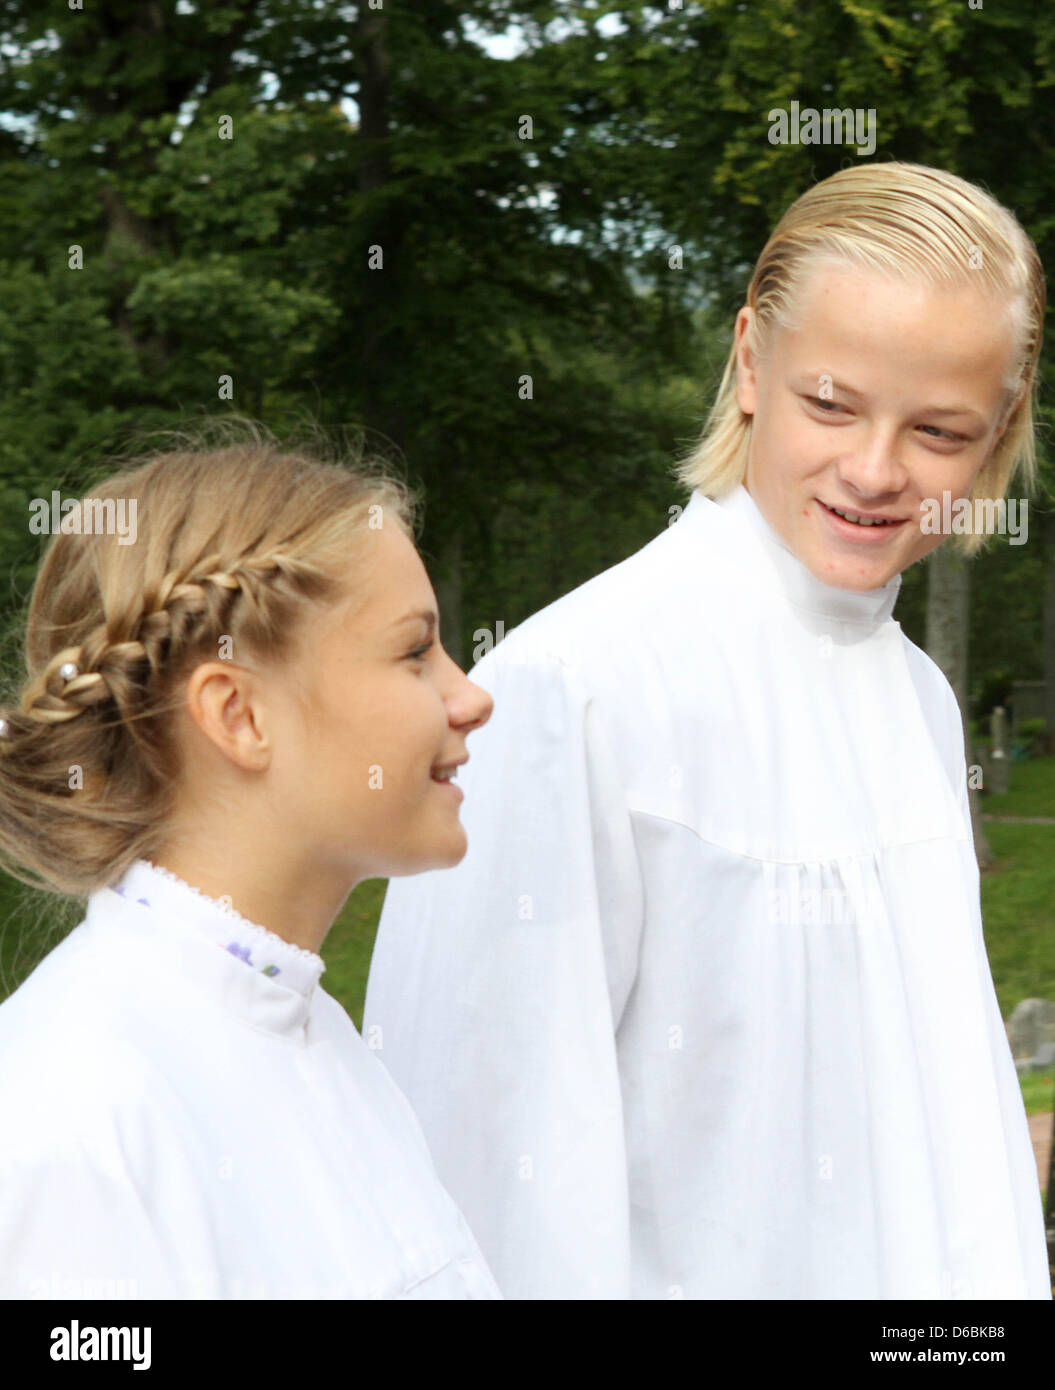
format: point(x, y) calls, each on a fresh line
point(5, 728)
point(68, 670)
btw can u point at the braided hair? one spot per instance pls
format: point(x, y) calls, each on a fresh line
point(235, 546)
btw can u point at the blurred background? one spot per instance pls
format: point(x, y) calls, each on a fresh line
point(508, 241)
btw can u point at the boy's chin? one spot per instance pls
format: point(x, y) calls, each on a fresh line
point(845, 572)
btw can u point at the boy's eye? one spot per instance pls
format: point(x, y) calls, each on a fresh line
point(944, 434)
point(830, 406)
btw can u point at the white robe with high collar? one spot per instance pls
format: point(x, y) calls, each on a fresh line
point(706, 1011)
point(186, 1113)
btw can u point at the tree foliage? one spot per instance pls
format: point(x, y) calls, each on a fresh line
point(230, 172)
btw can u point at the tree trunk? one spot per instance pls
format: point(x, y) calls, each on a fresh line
point(127, 237)
point(1048, 542)
point(948, 607)
point(382, 290)
point(449, 591)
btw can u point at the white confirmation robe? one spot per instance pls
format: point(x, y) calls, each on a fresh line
point(706, 1011)
point(186, 1113)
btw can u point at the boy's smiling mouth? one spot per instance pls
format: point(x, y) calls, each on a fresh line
point(870, 526)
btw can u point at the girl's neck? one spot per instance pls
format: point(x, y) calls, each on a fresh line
point(295, 900)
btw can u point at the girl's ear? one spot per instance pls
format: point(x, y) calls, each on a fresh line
point(746, 381)
point(221, 699)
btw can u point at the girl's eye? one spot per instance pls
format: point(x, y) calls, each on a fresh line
point(826, 406)
point(419, 653)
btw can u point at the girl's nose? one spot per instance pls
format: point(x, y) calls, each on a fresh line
point(472, 707)
point(468, 706)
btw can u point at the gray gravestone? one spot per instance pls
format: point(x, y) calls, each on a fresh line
point(999, 758)
point(1031, 1026)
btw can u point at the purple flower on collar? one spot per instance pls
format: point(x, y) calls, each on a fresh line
point(123, 894)
point(242, 952)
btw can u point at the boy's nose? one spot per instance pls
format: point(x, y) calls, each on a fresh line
point(875, 469)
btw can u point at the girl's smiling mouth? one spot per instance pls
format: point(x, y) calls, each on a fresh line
point(445, 773)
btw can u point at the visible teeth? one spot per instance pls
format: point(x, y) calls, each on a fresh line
point(860, 520)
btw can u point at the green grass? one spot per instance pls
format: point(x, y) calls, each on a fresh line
point(1038, 1091)
point(31, 923)
point(350, 945)
point(1032, 791)
point(1018, 912)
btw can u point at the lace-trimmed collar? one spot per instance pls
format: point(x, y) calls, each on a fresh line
point(258, 947)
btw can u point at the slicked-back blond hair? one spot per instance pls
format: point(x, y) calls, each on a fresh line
point(239, 539)
point(901, 219)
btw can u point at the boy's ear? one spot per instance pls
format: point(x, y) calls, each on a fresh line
point(746, 382)
point(1009, 410)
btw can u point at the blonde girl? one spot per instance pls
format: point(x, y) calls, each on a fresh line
point(221, 729)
